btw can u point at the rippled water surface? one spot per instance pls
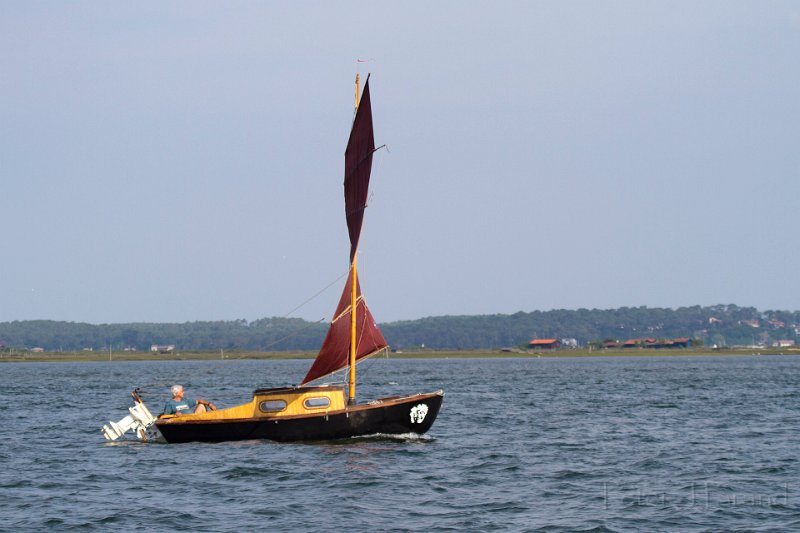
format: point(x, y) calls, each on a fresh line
point(595, 444)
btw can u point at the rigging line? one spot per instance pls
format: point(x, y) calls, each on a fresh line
point(289, 336)
point(336, 378)
point(295, 332)
point(328, 286)
point(363, 159)
point(377, 172)
point(347, 310)
point(380, 159)
point(366, 366)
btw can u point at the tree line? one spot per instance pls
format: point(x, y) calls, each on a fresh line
point(721, 325)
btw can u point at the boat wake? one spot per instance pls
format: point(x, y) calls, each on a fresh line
point(401, 437)
point(133, 442)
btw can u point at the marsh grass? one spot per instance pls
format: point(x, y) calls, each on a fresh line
point(423, 354)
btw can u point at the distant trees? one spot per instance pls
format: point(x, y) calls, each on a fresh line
point(721, 325)
point(266, 334)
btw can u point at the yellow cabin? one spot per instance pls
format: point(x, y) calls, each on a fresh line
point(278, 403)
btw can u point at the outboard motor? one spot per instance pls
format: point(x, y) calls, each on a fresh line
point(139, 420)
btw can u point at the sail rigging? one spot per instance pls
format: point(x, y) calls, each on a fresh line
point(333, 355)
point(352, 336)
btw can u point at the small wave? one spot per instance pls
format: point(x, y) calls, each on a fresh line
point(16, 484)
point(572, 474)
point(240, 472)
point(400, 437)
point(664, 405)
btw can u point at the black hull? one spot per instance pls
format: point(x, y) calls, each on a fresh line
point(389, 416)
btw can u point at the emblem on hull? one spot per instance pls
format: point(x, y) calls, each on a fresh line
point(418, 413)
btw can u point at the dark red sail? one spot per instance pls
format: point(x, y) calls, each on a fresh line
point(335, 352)
point(357, 168)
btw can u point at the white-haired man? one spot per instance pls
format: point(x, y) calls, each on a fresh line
point(178, 405)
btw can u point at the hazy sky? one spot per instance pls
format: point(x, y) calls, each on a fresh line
point(184, 161)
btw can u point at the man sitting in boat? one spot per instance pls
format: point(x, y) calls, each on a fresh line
point(178, 405)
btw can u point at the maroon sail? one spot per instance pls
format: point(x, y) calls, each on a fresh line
point(335, 351)
point(357, 168)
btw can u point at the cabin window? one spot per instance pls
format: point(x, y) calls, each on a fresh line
point(317, 402)
point(272, 406)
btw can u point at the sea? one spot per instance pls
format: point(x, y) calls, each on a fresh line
point(674, 443)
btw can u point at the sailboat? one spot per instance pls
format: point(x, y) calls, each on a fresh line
point(312, 412)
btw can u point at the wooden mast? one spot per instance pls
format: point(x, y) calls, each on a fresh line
point(351, 399)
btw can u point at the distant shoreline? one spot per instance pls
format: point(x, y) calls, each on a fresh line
point(431, 354)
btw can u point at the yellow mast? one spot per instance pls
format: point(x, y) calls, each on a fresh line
point(353, 312)
point(353, 295)
point(358, 83)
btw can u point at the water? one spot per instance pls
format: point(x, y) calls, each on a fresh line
point(597, 444)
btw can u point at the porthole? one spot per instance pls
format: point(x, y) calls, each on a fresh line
point(316, 402)
point(272, 406)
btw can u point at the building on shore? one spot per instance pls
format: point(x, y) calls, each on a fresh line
point(162, 348)
point(544, 344)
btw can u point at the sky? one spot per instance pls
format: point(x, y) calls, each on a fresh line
point(183, 161)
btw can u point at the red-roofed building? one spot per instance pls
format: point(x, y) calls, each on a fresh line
point(544, 344)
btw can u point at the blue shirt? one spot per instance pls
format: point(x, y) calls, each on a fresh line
point(184, 406)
